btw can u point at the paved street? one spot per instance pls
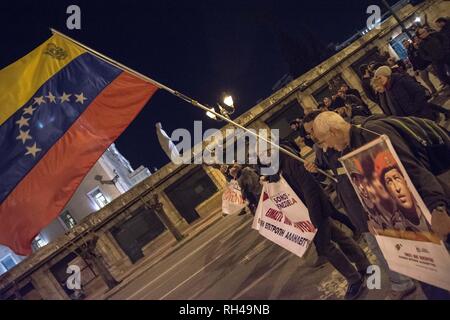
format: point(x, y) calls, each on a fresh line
point(231, 261)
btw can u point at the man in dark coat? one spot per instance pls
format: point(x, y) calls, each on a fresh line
point(435, 47)
point(248, 181)
point(320, 210)
point(443, 25)
point(366, 77)
point(402, 96)
point(421, 66)
point(333, 131)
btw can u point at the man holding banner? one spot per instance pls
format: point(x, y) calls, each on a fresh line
point(328, 233)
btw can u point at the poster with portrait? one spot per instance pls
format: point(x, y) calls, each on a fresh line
point(397, 215)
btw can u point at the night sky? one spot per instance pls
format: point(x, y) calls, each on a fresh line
point(200, 48)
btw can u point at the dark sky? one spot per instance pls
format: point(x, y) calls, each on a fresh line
point(200, 48)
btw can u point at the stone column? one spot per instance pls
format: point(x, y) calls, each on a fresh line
point(156, 206)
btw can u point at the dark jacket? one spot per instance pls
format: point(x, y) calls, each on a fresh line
point(405, 97)
point(353, 92)
point(434, 48)
point(346, 194)
point(248, 181)
point(337, 103)
point(307, 188)
point(417, 62)
point(414, 158)
point(368, 90)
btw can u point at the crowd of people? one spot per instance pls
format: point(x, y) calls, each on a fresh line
point(343, 123)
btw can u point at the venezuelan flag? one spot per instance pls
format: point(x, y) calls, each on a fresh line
point(60, 108)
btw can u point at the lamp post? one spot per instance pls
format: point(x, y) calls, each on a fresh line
point(226, 109)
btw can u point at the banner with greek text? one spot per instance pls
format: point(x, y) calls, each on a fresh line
point(282, 218)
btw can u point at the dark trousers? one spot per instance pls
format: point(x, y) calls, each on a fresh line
point(340, 257)
point(441, 71)
point(342, 218)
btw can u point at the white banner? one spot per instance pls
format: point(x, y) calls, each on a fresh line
point(397, 214)
point(232, 200)
point(282, 218)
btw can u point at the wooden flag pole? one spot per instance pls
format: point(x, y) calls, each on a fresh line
point(183, 97)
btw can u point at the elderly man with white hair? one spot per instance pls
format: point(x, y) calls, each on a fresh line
point(423, 164)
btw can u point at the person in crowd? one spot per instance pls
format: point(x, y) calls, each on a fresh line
point(330, 241)
point(298, 131)
point(248, 180)
point(435, 48)
point(401, 286)
point(401, 95)
point(366, 77)
point(421, 67)
point(443, 26)
point(422, 162)
point(347, 91)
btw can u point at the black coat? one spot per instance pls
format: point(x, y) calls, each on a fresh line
point(417, 62)
point(408, 98)
point(307, 188)
point(433, 191)
point(435, 48)
point(368, 90)
point(345, 192)
point(353, 92)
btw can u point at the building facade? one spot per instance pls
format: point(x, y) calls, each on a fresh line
point(135, 224)
point(110, 177)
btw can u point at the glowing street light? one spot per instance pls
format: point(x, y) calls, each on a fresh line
point(211, 115)
point(417, 19)
point(228, 100)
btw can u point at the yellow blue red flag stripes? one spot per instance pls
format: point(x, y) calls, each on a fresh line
point(63, 108)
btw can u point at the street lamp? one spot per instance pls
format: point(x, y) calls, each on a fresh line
point(226, 109)
point(210, 114)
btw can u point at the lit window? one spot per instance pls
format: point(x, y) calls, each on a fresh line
point(98, 197)
point(8, 262)
point(39, 242)
point(67, 219)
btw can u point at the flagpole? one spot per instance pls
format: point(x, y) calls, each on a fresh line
point(183, 97)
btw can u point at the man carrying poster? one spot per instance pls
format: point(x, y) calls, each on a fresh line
point(422, 151)
point(301, 203)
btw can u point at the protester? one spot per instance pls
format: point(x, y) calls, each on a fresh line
point(443, 25)
point(401, 286)
point(401, 95)
point(422, 163)
point(435, 48)
point(328, 234)
point(347, 91)
point(421, 67)
point(366, 77)
point(248, 181)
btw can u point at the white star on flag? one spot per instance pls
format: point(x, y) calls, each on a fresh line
point(39, 100)
point(51, 97)
point(24, 136)
point(29, 110)
point(80, 98)
point(65, 97)
point(22, 122)
point(33, 150)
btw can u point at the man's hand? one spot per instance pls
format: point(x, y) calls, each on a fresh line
point(310, 167)
point(440, 222)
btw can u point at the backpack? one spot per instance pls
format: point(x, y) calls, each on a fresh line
point(429, 142)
